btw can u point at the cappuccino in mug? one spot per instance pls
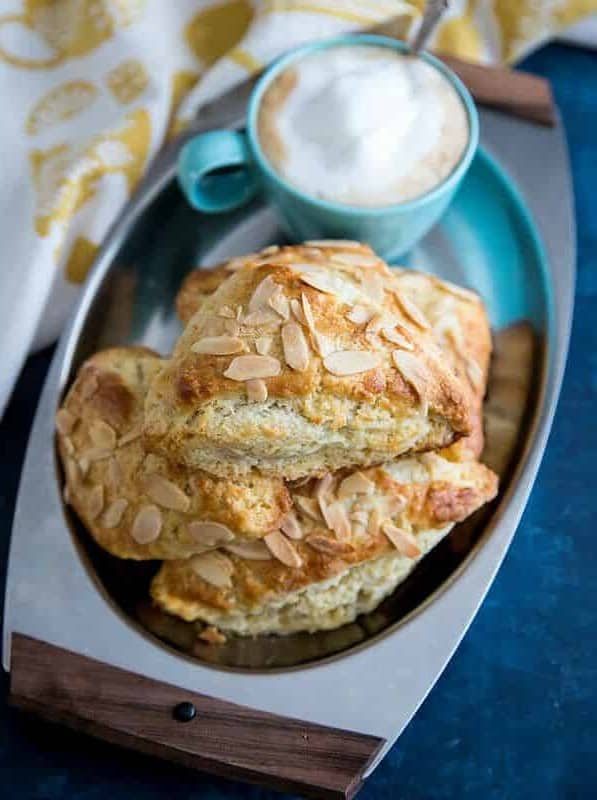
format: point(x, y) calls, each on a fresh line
point(363, 126)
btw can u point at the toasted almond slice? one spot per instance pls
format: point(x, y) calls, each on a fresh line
point(210, 534)
point(458, 291)
point(90, 384)
point(95, 503)
point(344, 244)
point(322, 344)
point(256, 390)
point(279, 302)
point(263, 345)
point(291, 526)
point(412, 310)
point(282, 549)
point(232, 328)
point(397, 336)
point(262, 293)
point(68, 446)
point(114, 513)
point(218, 345)
point(327, 545)
point(226, 312)
point(297, 310)
point(65, 421)
point(147, 525)
point(375, 520)
point(453, 334)
point(372, 285)
point(114, 474)
point(130, 436)
point(308, 506)
point(355, 259)
point(84, 464)
point(403, 541)
point(165, 493)
point(324, 485)
point(97, 454)
point(215, 568)
point(244, 368)
point(102, 435)
point(269, 250)
point(357, 483)
point(337, 519)
point(252, 551)
point(475, 374)
point(320, 282)
point(395, 504)
point(412, 370)
point(360, 517)
point(212, 635)
point(375, 324)
point(308, 312)
point(296, 349)
point(262, 317)
point(351, 362)
point(359, 315)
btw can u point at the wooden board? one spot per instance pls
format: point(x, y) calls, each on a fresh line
point(225, 739)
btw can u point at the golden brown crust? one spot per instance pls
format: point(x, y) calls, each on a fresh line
point(107, 481)
point(417, 495)
point(326, 418)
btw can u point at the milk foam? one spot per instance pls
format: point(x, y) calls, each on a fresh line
point(364, 126)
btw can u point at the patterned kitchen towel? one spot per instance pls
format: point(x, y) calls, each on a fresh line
point(90, 89)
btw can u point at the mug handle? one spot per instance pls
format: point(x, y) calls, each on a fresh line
point(214, 171)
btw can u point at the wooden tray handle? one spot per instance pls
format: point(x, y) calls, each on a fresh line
point(223, 738)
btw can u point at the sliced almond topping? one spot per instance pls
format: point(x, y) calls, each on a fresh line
point(215, 568)
point(355, 259)
point(357, 483)
point(458, 291)
point(296, 349)
point(375, 520)
point(210, 534)
point(212, 635)
point(65, 421)
point(130, 436)
point(68, 446)
point(102, 435)
point(403, 541)
point(95, 503)
point(263, 345)
point(359, 315)
point(397, 336)
point(232, 328)
point(262, 317)
point(372, 285)
point(337, 520)
point(324, 485)
point(360, 517)
point(89, 385)
point(97, 454)
point(243, 368)
point(262, 293)
point(114, 513)
point(412, 370)
point(375, 324)
point(218, 345)
point(475, 374)
point(147, 525)
point(395, 504)
point(252, 551)
point(297, 310)
point(320, 282)
point(165, 493)
point(270, 249)
point(256, 390)
point(308, 506)
point(84, 464)
point(345, 244)
point(226, 312)
point(351, 362)
point(239, 312)
point(412, 311)
point(282, 549)
point(291, 526)
point(114, 474)
point(327, 545)
point(279, 302)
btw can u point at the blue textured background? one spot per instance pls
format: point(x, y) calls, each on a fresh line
point(515, 713)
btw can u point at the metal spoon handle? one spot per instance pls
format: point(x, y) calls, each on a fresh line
point(433, 12)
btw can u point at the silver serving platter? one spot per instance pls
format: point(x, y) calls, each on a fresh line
point(63, 590)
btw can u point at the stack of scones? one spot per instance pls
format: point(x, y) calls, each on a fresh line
point(316, 431)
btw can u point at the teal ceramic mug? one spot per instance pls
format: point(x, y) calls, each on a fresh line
point(222, 170)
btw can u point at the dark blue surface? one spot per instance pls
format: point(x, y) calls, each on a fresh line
point(515, 713)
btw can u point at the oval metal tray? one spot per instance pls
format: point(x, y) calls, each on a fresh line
point(487, 241)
